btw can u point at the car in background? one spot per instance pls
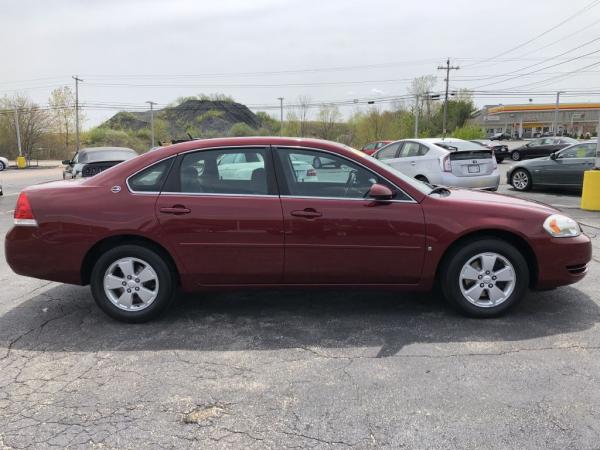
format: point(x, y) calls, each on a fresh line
point(3, 163)
point(372, 147)
point(140, 244)
point(564, 168)
point(93, 160)
point(541, 147)
point(446, 162)
point(500, 150)
point(500, 137)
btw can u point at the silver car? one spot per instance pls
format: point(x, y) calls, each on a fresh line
point(447, 162)
point(3, 163)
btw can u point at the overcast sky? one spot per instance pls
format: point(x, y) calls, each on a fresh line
point(131, 51)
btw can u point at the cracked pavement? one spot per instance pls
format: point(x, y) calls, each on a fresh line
point(292, 369)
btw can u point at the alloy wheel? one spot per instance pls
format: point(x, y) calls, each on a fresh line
point(487, 280)
point(516, 156)
point(520, 180)
point(131, 284)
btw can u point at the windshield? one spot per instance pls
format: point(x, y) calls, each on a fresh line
point(106, 155)
point(418, 185)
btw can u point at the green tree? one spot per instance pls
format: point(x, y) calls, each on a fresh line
point(62, 102)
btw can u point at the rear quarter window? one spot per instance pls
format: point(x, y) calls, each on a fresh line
point(152, 178)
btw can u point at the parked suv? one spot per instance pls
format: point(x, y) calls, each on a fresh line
point(448, 162)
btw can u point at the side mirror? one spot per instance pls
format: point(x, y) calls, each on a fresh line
point(380, 192)
point(66, 162)
point(553, 155)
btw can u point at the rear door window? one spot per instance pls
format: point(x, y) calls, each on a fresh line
point(227, 171)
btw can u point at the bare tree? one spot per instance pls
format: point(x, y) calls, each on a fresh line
point(34, 122)
point(303, 113)
point(62, 102)
point(327, 119)
point(421, 87)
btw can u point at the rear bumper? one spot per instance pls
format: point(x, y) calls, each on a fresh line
point(562, 261)
point(491, 181)
point(29, 254)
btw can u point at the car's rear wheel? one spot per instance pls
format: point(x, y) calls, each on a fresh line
point(132, 283)
point(499, 160)
point(521, 180)
point(516, 155)
point(485, 277)
point(422, 178)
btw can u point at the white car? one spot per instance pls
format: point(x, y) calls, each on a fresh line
point(236, 166)
point(446, 162)
point(3, 163)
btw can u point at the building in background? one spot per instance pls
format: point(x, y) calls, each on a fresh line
point(533, 120)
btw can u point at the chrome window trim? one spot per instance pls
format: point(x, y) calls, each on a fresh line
point(299, 147)
point(366, 199)
point(265, 146)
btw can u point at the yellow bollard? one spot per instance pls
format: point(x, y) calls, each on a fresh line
point(21, 162)
point(590, 197)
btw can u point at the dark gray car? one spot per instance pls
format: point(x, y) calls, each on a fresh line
point(563, 168)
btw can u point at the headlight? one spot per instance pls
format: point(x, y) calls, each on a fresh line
point(558, 225)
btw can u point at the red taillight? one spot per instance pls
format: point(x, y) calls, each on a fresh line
point(446, 165)
point(23, 213)
point(311, 173)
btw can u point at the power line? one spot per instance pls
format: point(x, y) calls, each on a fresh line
point(535, 38)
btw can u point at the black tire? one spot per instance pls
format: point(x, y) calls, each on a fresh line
point(166, 283)
point(317, 162)
point(449, 276)
point(422, 178)
point(524, 175)
point(515, 155)
point(2, 166)
point(499, 160)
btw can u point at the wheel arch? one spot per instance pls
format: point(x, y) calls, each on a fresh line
point(112, 241)
point(514, 239)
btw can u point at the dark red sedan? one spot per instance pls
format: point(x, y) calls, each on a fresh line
point(244, 212)
point(372, 147)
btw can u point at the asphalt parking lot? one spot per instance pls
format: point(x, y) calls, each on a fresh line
point(283, 369)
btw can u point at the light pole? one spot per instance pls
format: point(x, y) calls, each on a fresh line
point(447, 68)
point(77, 80)
point(151, 103)
point(280, 115)
point(556, 112)
point(417, 116)
point(18, 131)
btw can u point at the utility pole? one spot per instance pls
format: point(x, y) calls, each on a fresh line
point(77, 80)
point(447, 68)
point(18, 131)
point(555, 125)
point(151, 103)
point(416, 116)
point(280, 115)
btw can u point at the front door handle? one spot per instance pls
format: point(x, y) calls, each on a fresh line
point(176, 209)
point(413, 163)
point(307, 213)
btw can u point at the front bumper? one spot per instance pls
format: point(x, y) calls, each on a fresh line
point(562, 261)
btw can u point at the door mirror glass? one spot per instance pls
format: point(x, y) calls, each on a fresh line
point(380, 192)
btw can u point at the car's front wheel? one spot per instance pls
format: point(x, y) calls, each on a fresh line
point(485, 277)
point(132, 283)
point(2, 166)
point(521, 180)
point(516, 156)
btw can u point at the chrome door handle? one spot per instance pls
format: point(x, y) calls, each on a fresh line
point(413, 163)
point(177, 210)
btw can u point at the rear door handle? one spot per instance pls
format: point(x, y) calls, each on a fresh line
point(308, 213)
point(413, 163)
point(177, 210)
